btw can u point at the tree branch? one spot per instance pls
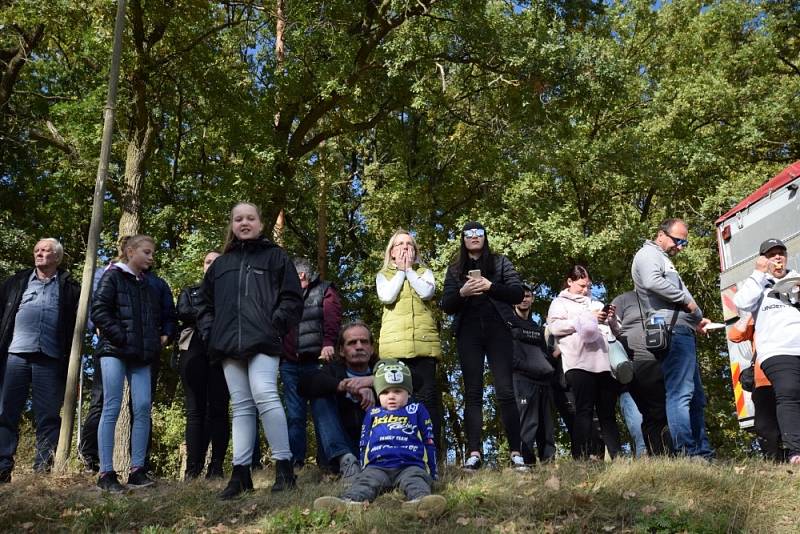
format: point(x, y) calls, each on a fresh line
point(13, 68)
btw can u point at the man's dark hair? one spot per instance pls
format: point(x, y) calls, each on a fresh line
point(340, 339)
point(348, 326)
point(667, 224)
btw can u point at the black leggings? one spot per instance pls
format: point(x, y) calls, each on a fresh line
point(765, 422)
point(784, 373)
point(647, 390)
point(426, 391)
point(490, 338)
point(593, 391)
point(206, 407)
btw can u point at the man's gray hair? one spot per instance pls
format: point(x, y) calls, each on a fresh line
point(302, 265)
point(58, 248)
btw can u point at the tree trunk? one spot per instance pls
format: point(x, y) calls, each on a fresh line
point(322, 225)
point(277, 230)
point(139, 149)
point(280, 54)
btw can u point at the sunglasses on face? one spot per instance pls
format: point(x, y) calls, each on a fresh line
point(474, 232)
point(678, 242)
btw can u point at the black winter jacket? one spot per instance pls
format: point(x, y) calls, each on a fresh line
point(189, 306)
point(127, 313)
point(251, 297)
point(69, 291)
point(506, 291)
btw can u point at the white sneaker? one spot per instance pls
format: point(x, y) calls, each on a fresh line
point(518, 464)
point(473, 463)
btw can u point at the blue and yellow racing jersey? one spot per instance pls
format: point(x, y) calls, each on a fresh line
point(398, 438)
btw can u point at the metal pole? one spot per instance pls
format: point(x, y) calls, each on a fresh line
point(65, 437)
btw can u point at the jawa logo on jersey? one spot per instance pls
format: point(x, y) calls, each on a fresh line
point(394, 421)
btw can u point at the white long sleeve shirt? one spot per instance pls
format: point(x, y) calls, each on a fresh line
point(424, 286)
point(777, 323)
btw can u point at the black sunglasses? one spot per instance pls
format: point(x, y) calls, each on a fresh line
point(678, 242)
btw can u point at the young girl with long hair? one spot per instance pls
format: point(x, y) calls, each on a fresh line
point(127, 315)
point(573, 320)
point(251, 297)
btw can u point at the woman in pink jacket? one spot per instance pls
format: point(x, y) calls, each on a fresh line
point(576, 324)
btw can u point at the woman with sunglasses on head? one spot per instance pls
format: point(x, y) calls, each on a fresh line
point(408, 328)
point(480, 289)
point(574, 319)
point(251, 297)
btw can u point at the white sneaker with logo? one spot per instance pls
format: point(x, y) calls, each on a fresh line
point(473, 463)
point(518, 464)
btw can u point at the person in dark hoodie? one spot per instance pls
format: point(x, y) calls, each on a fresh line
point(127, 316)
point(251, 298)
point(479, 289)
point(533, 372)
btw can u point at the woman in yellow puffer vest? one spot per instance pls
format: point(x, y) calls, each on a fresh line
point(408, 328)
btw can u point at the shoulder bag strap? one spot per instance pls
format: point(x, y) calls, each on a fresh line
point(641, 313)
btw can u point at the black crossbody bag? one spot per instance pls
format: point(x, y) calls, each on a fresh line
point(657, 337)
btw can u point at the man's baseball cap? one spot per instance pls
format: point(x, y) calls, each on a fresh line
point(770, 243)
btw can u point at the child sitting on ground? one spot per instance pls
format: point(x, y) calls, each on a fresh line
point(397, 449)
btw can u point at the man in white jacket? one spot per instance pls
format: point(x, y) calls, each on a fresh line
point(777, 336)
point(663, 294)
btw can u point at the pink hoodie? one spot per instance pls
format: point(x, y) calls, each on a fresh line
point(575, 353)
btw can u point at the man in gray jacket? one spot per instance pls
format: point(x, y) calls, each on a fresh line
point(662, 294)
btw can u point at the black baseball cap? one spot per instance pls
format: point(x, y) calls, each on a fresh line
point(770, 243)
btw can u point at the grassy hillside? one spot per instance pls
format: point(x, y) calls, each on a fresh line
point(623, 496)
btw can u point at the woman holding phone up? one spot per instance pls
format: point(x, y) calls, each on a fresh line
point(479, 289)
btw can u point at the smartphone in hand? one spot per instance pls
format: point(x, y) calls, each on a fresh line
point(475, 273)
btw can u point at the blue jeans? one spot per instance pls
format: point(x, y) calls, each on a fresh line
point(330, 432)
point(296, 406)
point(685, 397)
point(114, 371)
point(633, 420)
point(44, 376)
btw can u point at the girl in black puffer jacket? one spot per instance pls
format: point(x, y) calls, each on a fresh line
point(127, 315)
point(251, 297)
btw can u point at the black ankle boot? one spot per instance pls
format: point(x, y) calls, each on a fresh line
point(191, 473)
point(214, 470)
point(239, 483)
point(284, 476)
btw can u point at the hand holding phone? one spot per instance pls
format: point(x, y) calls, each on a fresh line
point(475, 273)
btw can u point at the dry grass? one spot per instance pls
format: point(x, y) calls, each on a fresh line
point(624, 496)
